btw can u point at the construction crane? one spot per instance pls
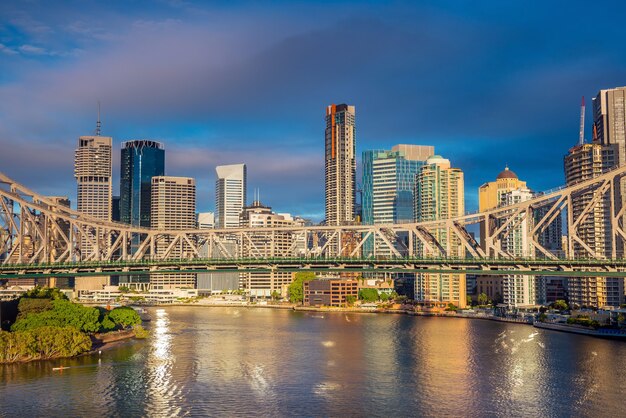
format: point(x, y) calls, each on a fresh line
point(581, 139)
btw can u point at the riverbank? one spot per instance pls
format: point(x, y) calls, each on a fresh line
point(577, 329)
point(331, 309)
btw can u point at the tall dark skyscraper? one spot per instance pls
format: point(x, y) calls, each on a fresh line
point(141, 160)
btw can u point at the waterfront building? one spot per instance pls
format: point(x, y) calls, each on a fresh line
point(215, 283)
point(329, 292)
point(389, 185)
point(262, 285)
point(490, 286)
point(340, 164)
point(517, 290)
point(92, 170)
point(585, 161)
point(439, 194)
point(230, 194)
point(141, 160)
point(173, 207)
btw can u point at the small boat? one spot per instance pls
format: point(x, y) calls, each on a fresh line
point(60, 368)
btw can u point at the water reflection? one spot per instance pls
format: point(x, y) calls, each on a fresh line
point(223, 361)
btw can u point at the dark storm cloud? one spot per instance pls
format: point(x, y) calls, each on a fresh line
point(486, 84)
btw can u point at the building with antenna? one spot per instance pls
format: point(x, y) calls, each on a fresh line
point(94, 197)
point(93, 173)
point(262, 285)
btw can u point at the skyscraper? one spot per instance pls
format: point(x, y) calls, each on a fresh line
point(389, 182)
point(140, 161)
point(517, 290)
point(230, 194)
point(340, 164)
point(609, 128)
point(439, 194)
point(173, 207)
point(92, 170)
point(585, 161)
point(506, 190)
point(609, 117)
point(389, 185)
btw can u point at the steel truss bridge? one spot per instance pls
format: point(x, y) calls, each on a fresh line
point(41, 237)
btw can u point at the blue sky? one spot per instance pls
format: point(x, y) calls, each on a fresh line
point(487, 83)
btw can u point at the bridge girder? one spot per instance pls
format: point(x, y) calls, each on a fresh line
point(34, 229)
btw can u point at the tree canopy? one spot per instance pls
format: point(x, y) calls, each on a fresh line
point(63, 313)
point(368, 295)
point(296, 292)
point(124, 316)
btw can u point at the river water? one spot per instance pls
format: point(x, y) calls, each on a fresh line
point(202, 361)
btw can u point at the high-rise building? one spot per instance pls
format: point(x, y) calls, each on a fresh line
point(609, 116)
point(140, 161)
point(262, 285)
point(609, 128)
point(517, 290)
point(439, 194)
point(388, 186)
point(508, 189)
point(584, 162)
point(92, 170)
point(389, 182)
point(490, 195)
point(230, 194)
point(340, 164)
point(173, 207)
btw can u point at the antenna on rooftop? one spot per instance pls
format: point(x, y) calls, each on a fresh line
point(98, 123)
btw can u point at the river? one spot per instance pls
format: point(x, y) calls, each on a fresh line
point(203, 361)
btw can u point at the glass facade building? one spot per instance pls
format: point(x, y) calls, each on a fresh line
point(389, 183)
point(141, 160)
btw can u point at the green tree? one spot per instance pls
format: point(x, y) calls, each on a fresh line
point(368, 294)
point(64, 313)
point(468, 298)
point(27, 306)
point(393, 295)
point(295, 291)
point(384, 297)
point(560, 305)
point(42, 343)
point(276, 295)
point(350, 299)
point(45, 293)
point(451, 307)
point(125, 317)
point(483, 299)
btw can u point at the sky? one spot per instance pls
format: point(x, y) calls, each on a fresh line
point(486, 83)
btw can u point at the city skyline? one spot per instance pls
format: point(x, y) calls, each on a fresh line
point(488, 96)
